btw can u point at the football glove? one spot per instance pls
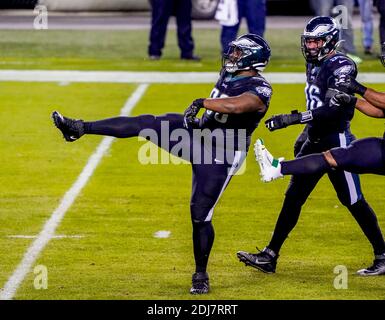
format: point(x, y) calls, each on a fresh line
point(342, 99)
point(347, 83)
point(189, 118)
point(283, 120)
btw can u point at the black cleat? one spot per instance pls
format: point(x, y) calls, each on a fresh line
point(378, 267)
point(71, 129)
point(265, 260)
point(200, 283)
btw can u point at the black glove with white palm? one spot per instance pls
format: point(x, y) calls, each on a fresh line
point(284, 120)
point(341, 104)
point(342, 99)
point(189, 118)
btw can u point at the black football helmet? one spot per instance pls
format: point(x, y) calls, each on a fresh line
point(247, 52)
point(320, 28)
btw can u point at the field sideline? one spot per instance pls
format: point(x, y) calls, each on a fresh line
point(127, 51)
point(117, 223)
point(153, 77)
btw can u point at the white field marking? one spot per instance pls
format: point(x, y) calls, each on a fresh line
point(64, 83)
point(154, 77)
point(48, 231)
point(59, 236)
point(162, 234)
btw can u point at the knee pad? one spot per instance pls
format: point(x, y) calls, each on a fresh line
point(359, 205)
point(147, 120)
point(200, 225)
point(148, 128)
point(361, 210)
point(345, 201)
point(340, 155)
point(199, 213)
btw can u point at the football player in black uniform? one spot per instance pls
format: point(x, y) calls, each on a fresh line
point(361, 156)
point(328, 126)
point(236, 105)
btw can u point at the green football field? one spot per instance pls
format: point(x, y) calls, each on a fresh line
point(110, 251)
point(104, 247)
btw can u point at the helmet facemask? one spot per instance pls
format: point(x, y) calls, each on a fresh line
point(319, 52)
point(232, 59)
point(247, 52)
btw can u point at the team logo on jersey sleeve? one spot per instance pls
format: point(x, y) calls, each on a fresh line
point(344, 70)
point(265, 91)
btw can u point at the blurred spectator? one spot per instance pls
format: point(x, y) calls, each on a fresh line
point(230, 14)
point(381, 9)
point(161, 12)
point(324, 8)
point(366, 12)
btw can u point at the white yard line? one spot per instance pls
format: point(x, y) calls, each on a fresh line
point(153, 77)
point(59, 236)
point(48, 231)
point(162, 234)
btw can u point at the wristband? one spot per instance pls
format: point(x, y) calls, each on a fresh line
point(306, 116)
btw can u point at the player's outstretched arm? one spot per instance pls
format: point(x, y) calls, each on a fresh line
point(376, 98)
point(370, 110)
point(281, 121)
point(341, 105)
point(349, 84)
point(246, 102)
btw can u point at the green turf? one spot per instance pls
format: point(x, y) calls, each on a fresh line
point(124, 203)
point(36, 168)
point(127, 50)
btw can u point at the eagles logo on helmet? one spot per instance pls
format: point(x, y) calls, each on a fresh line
point(247, 52)
point(325, 32)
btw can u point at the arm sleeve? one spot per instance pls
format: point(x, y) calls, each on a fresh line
point(263, 91)
point(330, 113)
point(340, 66)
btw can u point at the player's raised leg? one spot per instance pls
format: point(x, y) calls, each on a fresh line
point(126, 127)
point(354, 158)
point(274, 168)
point(270, 167)
point(72, 129)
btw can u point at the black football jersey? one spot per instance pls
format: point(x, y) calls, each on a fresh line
point(320, 82)
point(230, 86)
